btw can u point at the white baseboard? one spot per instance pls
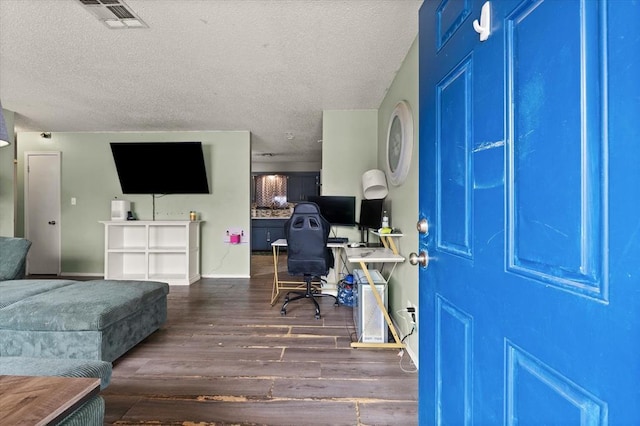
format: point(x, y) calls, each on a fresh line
point(82, 274)
point(225, 276)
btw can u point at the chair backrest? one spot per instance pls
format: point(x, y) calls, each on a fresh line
point(307, 233)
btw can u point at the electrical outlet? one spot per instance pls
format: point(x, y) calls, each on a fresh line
point(412, 311)
point(234, 235)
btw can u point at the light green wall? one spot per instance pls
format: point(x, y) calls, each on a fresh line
point(6, 179)
point(403, 198)
point(355, 141)
point(89, 175)
point(348, 138)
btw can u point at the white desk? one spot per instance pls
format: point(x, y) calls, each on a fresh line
point(279, 285)
point(388, 240)
point(363, 256)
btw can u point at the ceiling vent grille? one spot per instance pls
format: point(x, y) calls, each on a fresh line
point(115, 14)
point(121, 12)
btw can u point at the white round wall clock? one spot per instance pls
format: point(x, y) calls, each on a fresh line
point(399, 143)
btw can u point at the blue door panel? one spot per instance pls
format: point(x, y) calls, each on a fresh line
point(449, 17)
point(530, 181)
point(454, 333)
point(538, 395)
point(557, 240)
point(453, 112)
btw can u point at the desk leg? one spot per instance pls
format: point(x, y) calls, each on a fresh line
point(275, 291)
point(397, 343)
point(383, 240)
point(389, 243)
point(392, 244)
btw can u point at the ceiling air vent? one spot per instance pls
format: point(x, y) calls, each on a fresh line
point(115, 14)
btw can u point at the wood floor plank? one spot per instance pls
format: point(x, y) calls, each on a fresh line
point(383, 413)
point(226, 356)
point(340, 354)
point(257, 341)
point(364, 388)
point(354, 370)
point(225, 368)
point(276, 412)
point(198, 388)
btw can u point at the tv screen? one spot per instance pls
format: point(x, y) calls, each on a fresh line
point(371, 213)
point(160, 167)
point(338, 210)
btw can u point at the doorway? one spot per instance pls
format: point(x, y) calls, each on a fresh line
point(42, 211)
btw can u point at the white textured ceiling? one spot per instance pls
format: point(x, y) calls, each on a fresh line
point(267, 66)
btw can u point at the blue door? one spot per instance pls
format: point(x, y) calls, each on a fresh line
point(530, 184)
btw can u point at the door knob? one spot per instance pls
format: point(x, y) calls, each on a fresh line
point(52, 222)
point(422, 259)
point(423, 226)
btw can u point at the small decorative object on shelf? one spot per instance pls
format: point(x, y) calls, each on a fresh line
point(192, 216)
point(385, 219)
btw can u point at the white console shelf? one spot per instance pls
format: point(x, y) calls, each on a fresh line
point(167, 251)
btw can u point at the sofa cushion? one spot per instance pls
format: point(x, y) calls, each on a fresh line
point(27, 366)
point(83, 305)
point(13, 291)
point(13, 257)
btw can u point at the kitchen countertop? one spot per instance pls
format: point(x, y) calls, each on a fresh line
point(269, 217)
point(261, 213)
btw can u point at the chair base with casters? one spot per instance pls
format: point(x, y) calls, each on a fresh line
point(311, 293)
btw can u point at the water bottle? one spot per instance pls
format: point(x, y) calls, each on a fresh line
point(385, 219)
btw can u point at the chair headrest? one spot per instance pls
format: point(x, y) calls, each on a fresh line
point(306, 207)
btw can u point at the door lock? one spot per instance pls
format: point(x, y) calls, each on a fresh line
point(422, 259)
point(423, 226)
point(52, 222)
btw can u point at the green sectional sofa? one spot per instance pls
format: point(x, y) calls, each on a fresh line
point(13, 257)
point(58, 327)
point(99, 319)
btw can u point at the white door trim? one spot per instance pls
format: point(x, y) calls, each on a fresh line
point(57, 155)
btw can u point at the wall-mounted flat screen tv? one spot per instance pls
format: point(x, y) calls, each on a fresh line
point(337, 209)
point(160, 167)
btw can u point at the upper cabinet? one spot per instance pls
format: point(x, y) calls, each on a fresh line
point(274, 190)
point(302, 185)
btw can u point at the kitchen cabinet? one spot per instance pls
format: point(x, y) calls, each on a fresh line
point(264, 232)
point(301, 185)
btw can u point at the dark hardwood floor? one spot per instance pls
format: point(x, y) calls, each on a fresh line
point(225, 356)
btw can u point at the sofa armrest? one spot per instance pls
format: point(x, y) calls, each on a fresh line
point(13, 257)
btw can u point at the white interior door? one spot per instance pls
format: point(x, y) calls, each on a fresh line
point(42, 211)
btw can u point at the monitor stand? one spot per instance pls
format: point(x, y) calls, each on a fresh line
point(364, 237)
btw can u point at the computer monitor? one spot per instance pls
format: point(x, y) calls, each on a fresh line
point(338, 210)
point(371, 213)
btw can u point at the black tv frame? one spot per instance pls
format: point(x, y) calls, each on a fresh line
point(160, 167)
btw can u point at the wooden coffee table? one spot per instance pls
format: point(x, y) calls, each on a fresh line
point(42, 400)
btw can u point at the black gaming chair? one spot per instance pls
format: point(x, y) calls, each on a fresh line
point(307, 253)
